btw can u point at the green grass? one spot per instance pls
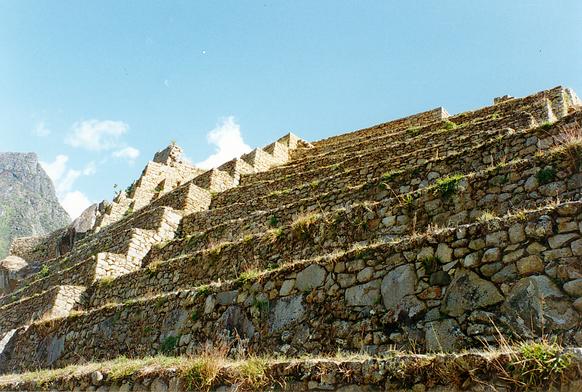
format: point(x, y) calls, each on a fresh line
point(546, 126)
point(391, 174)
point(44, 271)
point(449, 125)
point(249, 276)
point(413, 131)
point(169, 344)
point(546, 175)
point(539, 364)
point(273, 221)
point(275, 234)
point(447, 186)
point(301, 224)
point(486, 216)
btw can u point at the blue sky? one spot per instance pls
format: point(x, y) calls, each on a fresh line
point(95, 88)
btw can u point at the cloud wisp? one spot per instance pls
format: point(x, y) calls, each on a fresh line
point(41, 130)
point(228, 142)
point(96, 135)
point(63, 177)
point(129, 153)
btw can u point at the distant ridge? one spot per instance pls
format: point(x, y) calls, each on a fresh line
point(28, 204)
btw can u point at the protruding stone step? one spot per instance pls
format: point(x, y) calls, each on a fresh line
point(55, 302)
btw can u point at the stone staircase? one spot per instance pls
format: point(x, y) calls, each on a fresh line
point(428, 233)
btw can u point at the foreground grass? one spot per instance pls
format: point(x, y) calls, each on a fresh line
point(531, 365)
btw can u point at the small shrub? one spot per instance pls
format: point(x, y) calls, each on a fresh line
point(569, 143)
point(169, 344)
point(279, 193)
point(128, 212)
point(105, 281)
point(272, 266)
point(44, 271)
point(546, 175)
point(407, 200)
point(201, 373)
point(486, 216)
point(261, 305)
point(251, 373)
point(203, 290)
point(152, 268)
point(447, 186)
point(430, 264)
point(314, 184)
point(194, 316)
point(249, 276)
point(130, 189)
point(449, 125)
point(390, 174)
point(413, 131)
point(539, 364)
point(274, 234)
point(273, 221)
point(300, 226)
point(215, 251)
point(546, 126)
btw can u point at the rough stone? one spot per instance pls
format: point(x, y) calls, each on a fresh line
point(311, 277)
point(366, 294)
point(560, 240)
point(444, 253)
point(574, 287)
point(397, 289)
point(540, 304)
point(516, 233)
point(286, 311)
point(444, 336)
point(469, 292)
point(530, 265)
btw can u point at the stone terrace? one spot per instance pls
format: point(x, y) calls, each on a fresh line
point(433, 232)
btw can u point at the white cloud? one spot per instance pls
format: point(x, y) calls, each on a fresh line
point(73, 201)
point(41, 130)
point(228, 141)
point(128, 153)
point(55, 169)
point(90, 169)
point(95, 135)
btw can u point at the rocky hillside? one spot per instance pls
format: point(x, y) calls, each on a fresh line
point(28, 205)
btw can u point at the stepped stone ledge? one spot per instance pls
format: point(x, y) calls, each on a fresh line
point(435, 233)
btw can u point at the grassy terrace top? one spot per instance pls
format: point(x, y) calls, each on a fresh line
point(521, 366)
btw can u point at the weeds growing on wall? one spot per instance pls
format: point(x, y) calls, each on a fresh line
point(546, 175)
point(447, 186)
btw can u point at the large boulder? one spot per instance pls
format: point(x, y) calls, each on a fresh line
point(12, 271)
point(536, 303)
point(468, 292)
point(398, 294)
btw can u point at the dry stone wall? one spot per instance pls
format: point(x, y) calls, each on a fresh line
point(381, 179)
point(53, 303)
point(432, 233)
point(442, 373)
point(493, 192)
point(451, 290)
